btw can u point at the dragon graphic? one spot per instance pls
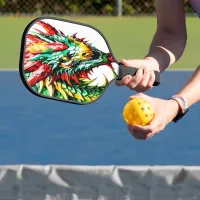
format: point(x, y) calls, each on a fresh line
point(58, 65)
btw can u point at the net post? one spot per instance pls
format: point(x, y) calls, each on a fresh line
point(119, 8)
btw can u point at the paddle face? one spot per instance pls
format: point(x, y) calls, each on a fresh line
point(66, 61)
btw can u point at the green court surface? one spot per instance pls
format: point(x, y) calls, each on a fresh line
point(129, 38)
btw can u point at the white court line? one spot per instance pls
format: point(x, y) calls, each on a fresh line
point(180, 70)
point(8, 70)
point(170, 70)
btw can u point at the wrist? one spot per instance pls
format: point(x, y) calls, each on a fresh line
point(153, 62)
point(176, 109)
point(182, 107)
point(163, 56)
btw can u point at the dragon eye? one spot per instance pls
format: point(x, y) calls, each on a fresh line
point(84, 54)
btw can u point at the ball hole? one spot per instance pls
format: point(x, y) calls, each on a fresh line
point(146, 115)
point(142, 109)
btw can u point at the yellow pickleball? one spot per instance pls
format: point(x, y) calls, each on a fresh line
point(138, 111)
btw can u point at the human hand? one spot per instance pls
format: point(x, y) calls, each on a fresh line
point(165, 112)
point(141, 82)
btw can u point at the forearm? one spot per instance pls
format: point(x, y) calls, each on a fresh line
point(167, 47)
point(170, 38)
point(191, 91)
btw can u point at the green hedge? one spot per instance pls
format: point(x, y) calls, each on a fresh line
point(84, 7)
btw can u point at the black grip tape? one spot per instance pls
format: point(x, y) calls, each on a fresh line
point(124, 71)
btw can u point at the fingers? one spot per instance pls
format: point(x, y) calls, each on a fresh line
point(145, 79)
point(155, 131)
point(133, 83)
point(135, 134)
point(146, 132)
point(151, 79)
point(138, 95)
point(143, 133)
point(133, 63)
point(142, 81)
point(163, 115)
point(146, 82)
point(125, 80)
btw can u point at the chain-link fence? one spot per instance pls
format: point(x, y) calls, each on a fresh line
point(80, 7)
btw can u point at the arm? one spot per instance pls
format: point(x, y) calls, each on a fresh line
point(166, 48)
point(191, 91)
point(167, 110)
point(170, 38)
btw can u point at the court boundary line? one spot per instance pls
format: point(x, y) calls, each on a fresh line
point(169, 70)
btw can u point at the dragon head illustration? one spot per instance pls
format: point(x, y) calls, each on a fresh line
point(58, 65)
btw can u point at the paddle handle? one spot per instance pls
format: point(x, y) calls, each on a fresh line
point(124, 71)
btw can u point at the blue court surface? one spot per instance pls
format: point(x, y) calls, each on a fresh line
point(34, 130)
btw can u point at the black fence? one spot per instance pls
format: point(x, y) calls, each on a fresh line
point(80, 7)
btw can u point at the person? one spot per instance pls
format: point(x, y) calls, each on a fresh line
point(166, 48)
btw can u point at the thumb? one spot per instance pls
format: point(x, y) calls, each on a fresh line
point(141, 95)
point(124, 62)
point(149, 129)
point(134, 63)
point(155, 123)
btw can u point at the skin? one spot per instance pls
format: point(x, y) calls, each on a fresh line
point(166, 110)
point(170, 36)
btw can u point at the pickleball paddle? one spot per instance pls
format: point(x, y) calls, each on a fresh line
point(68, 61)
